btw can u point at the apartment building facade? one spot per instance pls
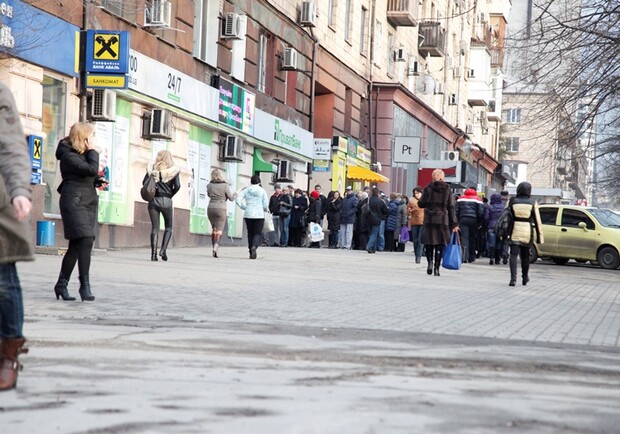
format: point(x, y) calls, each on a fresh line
point(298, 92)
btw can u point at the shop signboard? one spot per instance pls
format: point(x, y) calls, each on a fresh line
point(236, 106)
point(283, 134)
point(322, 149)
point(407, 149)
point(320, 166)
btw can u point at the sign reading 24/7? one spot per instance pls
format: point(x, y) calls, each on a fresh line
point(107, 51)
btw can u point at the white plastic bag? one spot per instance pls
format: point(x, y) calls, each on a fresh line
point(268, 225)
point(316, 232)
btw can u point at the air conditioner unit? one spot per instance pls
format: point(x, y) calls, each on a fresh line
point(453, 100)
point(439, 88)
point(414, 68)
point(157, 125)
point(400, 55)
point(471, 73)
point(158, 14)
point(103, 105)
point(457, 72)
point(232, 148)
point(450, 155)
point(307, 15)
point(285, 171)
point(469, 129)
point(231, 26)
point(289, 59)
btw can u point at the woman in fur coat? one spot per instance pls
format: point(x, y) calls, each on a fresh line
point(439, 219)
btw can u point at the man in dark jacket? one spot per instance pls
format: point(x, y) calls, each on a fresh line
point(347, 218)
point(469, 212)
point(274, 209)
point(377, 212)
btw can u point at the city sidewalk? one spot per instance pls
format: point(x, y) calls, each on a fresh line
point(316, 341)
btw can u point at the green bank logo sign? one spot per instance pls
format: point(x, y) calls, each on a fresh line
point(285, 139)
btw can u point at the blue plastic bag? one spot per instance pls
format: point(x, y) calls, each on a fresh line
point(452, 254)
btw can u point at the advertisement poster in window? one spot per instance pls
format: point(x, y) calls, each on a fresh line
point(232, 172)
point(199, 162)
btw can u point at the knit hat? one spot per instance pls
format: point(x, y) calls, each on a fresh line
point(314, 194)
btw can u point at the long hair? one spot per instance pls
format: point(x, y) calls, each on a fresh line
point(163, 160)
point(78, 134)
point(217, 175)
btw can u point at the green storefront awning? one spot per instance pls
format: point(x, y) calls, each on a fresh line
point(260, 165)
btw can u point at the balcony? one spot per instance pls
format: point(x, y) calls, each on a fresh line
point(402, 12)
point(432, 39)
point(497, 57)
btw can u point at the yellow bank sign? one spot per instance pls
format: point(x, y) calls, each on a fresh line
point(106, 81)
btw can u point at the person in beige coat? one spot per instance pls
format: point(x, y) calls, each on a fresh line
point(526, 229)
point(219, 192)
point(416, 220)
point(15, 235)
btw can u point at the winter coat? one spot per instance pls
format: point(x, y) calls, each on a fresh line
point(298, 214)
point(333, 214)
point(274, 204)
point(469, 208)
point(219, 193)
point(286, 204)
point(168, 181)
point(439, 215)
point(390, 223)
point(253, 200)
point(378, 210)
point(78, 196)
point(527, 226)
point(492, 212)
point(16, 242)
point(401, 218)
point(362, 224)
point(416, 214)
point(349, 207)
point(315, 210)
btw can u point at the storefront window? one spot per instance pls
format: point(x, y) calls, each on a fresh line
point(54, 116)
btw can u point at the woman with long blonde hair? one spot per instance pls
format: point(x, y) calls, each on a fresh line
point(166, 175)
point(219, 192)
point(79, 167)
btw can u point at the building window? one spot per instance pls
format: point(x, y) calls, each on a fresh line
point(391, 69)
point(513, 116)
point(262, 63)
point(347, 21)
point(363, 25)
point(54, 125)
point(126, 10)
point(512, 144)
point(200, 29)
point(378, 47)
point(331, 12)
point(348, 109)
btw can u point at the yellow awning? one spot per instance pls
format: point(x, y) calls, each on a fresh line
point(363, 174)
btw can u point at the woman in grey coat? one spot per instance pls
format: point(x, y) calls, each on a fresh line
point(219, 192)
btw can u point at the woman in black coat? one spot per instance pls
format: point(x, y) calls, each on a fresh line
point(298, 212)
point(166, 175)
point(439, 219)
point(79, 166)
point(334, 205)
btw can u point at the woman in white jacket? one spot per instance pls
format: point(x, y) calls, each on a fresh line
point(254, 202)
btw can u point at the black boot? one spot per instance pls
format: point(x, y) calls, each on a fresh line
point(513, 270)
point(429, 258)
point(438, 252)
point(60, 289)
point(164, 244)
point(154, 247)
point(85, 293)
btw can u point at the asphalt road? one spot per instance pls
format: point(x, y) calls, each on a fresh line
point(316, 341)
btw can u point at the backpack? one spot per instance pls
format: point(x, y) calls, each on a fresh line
point(149, 188)
point(504, 223)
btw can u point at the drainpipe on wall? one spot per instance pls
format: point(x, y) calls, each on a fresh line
point(315, 44)
point(371, 131)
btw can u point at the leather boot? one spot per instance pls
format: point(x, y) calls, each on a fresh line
point(85, 293)
point(164, 244)
point(429, 258)
point(513, 270)
point(438, 252)
point(154, 247)
point(60, 289)
point(10, 349)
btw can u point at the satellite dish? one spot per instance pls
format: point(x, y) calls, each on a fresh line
point(426, 84)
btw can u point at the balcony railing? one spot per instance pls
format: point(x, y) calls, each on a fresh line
point(402, 12)
point(432, 39)
point(497, 57)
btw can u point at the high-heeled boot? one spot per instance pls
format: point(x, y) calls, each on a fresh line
point(216, 244)
point(154, 247)
point(164, 244)
point(85, 293)
point(60, 289)
point(10, 349)
point(513, 270)
point(429, 258)
point(438, 252)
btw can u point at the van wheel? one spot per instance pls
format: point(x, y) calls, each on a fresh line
point(560, 261)
point(608, 258)
point(533, 254)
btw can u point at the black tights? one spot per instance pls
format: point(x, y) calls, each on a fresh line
point(524, 252)
point(79, 251)
point(154, 211)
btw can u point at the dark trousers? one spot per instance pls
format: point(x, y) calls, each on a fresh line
point(255, 232)
point(333, 238)
point(295, 236)
point(469, 233)
point(11, 302)
point(389, 240)
point(524, 253)
point(163, 206)
point(80, 251)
